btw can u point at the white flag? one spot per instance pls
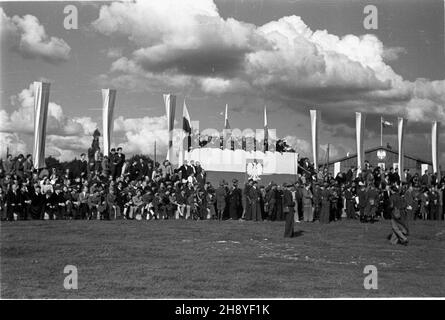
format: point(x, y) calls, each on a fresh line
point(401, 145)
point(315, 119)
point(359, 134)
point(435, 147)
point(108, 99)
point(170, 107)
point(41, 100)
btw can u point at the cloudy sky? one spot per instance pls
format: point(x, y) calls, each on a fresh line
point(291, 55)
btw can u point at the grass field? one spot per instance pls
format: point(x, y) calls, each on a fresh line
point(211, 259)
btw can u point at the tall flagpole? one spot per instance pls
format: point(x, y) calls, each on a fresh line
point(154, 165)
point(381, 131)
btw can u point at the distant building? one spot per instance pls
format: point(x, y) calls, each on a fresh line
point(383, 157)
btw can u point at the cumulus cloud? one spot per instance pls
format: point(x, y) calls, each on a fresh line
point(187, 36)
point(68, 137)
point(21, 119)
point(31, 40)
point(12, 141)
point(187, 43)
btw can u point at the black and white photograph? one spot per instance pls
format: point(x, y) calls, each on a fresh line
point(222, 150)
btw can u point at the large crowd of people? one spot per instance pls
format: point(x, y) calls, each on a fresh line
point(111, 187)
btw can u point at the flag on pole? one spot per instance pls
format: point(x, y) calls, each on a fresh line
point(170, 107)
point(386, 123)
point(435, 148)
point(226, 127)
point(108, 98)
point(41, 100)
point(154, 155)
point(359, 133)
point(226, 119)
point(401, 137)
point(315, 115)
point(186, 125)
point(266, 131)
point(185, 135)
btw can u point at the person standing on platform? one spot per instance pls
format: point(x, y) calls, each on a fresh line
point(289, 211)
point(119, 162)
point(83, 166)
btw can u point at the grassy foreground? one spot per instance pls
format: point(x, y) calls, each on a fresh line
point(211, 259)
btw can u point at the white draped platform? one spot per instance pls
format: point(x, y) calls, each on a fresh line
point(226, 160)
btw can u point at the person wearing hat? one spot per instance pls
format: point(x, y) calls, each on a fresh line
point(424, 203)
point(119, 160)
point(325, 208)
point(288, 208)
point(112, 163)
point(37, 202)
point(234, 198)
point(362, 200)
point(59, 199)
point(317, 201)
point(308, 213)
point(83, 166)
point(50, 206)
point(372, 196)
point(270, 202)
point(350, 202)
point(221, 195)
point(254, 198)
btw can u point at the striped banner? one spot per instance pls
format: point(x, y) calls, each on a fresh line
point(108, 100)
point(359, 134)
point(170, 107)
point(315, 120)
point(41, 100)
point(400, 138)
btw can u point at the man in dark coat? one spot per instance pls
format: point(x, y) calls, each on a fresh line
point(372, 198)
point(120, 160)
point(270, 203)
point(235, 200)
point(37, 203)
point(362, 200)
point(112, 160)
point(254, 197)
point(83, 166)
point(13, 202)
point(279, 203)
point(247, 210)
point(288, 208)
